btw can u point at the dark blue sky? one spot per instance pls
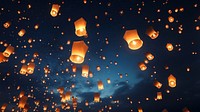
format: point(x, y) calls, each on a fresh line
point(135, 85)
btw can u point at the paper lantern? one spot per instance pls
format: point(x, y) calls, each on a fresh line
point(79, 49)
point(68, 96)
point(86, 103)
point(169, 47)
point(21, 32)
point(159, 95)
point(7, 24)
point(3, 107)
point(152, 33)
point(30, 68)
point(45, 107)
point(142, 66)
point(157, 84)
point(85, 70)
point(2, 58)
point(23, 69)
point(74, 68)
point(171, 19)
point(100, 85)
point(8, 51)
point(21, 94)
point(60, 90)
point(22, 101)
point(140, 109)
point(74, 103)
point(80, 27)
point(172, 81)
point(90, 74)
point(149, 56)
point(108, 81)
point(96, 97)
point(98, 68)
point(186, 109)
point(54, 10)
point(133, 39)
point(84, 1)
point(26, 107)
point(57, 110)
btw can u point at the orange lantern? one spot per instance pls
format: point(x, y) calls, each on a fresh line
point(22, 101)
point(86, 103)
point(84, 1)
point(23, 69)
point(96, 97)
point(8, 51)
point(149, 56)
point(186, 109)
point(7, 24)
point(157, 84)
point(171, 19)
point(108, 81)
point(133, 39)
point(54, 10)
point(3, 107)
point(57, 110)
point(152, 33)
point(45, 107)
point(74, 103)
point(21, 32)
point(100, 85)
point(36, 26)
point(169, 47)
point(159, 95)
point(79, 49)
point(172, 81)
point(2, 58)
point(21, 94)
point(60, 90)
point(80, 27)
point(85, 70)
point(68, 95)
point(140, 109)
point(30, 68)
point(74, 68)
point(142, 66)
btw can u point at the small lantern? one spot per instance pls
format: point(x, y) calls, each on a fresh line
point(152, 33)
point(80, 27)
point(30, 68)
point(21, 32)
point(100, 85)
point(3, 107)
point(86, 103)
point(159, 95)
point(79, 49)
point(186, 109)
point(8, 51)
point(142, 66)
point(74, 103)
point(45, 107)
point(133, 39)
point(169, 47)
point(108, 81)
point(54, 10)
point(7, 24)
point(68, 95)
point(149, 56)
point(60, 90)
point(96, 97)
point(157, 84)
point(21, 94)
point(23, 69)
point(74, 68)
point(140, 109)
point(85, 70)
point(171, 19)
point(172, 81)
point(2, 58)
point(22, 101)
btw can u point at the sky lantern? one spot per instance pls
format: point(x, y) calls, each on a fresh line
point(21, 32)
point(57, 110)
point(21, 94)
point(172, 81)
point(74, 103)
point(68, 96)
point(133, 39)
point(22, 101)
point(152, 33)
point(142, 66)
point(8, 51)
point(74, 68)
point(30, 68)
point(2, 58)
point(80, 27)
point(169, 47)
point(60, 90)
point(45, 108)
point(79, 49)
point(108, 81)
point(3, 107)
point(7, 24)
point(140, 109)
point(185, 109)
point(86, 103)
point(159, 95)
point(23, 69)
point(157, 84)
point(85, 70)
point(149, 56)
point(100, 85)
point(96, 97)
point(54, 10)
point(171, 19)
point(84, 1)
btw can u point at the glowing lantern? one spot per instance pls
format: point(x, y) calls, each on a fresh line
point(30, 68)
point(133, 39)
point(23, 69)
point(98, 68)
point(45, 108)
point(149, 56)
point(140, 109)
point(185, 109)
point(100, 85)
point(152, 33)
point(8, 51)
point(86, 103)
point(22, 101)
point(90, 74)
point(157, 84)
point(74, 68)
point(2, 58)
point(80, 27)
point(74, 103)
point(79, 49)
point(60, 90)
point(68, 96)
point(57, 110)
point(85, 70)
point(3, 107)
point(36, 26)
point(172, 81)
point(159, 95)
point(169, 47)
point(108, 81)
point(21, 94)
point(7, 24)
point(84, 1)
point(142, 66)
point(171, 19)
point(96, 97)
point(54, 10)
point(21, 32)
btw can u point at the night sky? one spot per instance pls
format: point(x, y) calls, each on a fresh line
point(50, 46)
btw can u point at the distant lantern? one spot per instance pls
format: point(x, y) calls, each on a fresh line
point(21, 32)
point(74, 68)
point(57, 110)
point(149, 56)
point(157, 84)
point(68, 95)
point(169, 47)
point(96, 97)
point(30, 68)
point(60, 90)
point(2, 58)
point(133, 39)
point(8, 51)
point(74, 103)
point(21, 94)
point(171, 19)
point(90, 74)
point(84, 1)
point(152, 33)
point(79, 49)
point(80, 27)
point(100, 85)
point(172, 81)
point(23, 69)
point(54, 10)
point(142, 66)
point(85, 71)
point(22, 101)
point(3, 107)
point(36, 26)
point(140, 109)
point(159, 95)
point(98, 68)
point(7, 24)
point(108, 81)
point(186, 109)
point(45, 107)
point(86, 103)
